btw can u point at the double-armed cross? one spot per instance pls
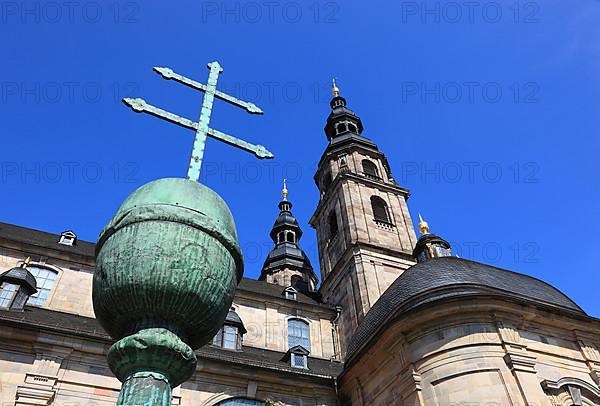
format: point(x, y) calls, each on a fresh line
point(202, 126)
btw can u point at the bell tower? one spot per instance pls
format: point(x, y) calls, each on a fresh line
point(364, 230)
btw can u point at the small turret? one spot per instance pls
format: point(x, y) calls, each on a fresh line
point(287, 265)
point(429, 245)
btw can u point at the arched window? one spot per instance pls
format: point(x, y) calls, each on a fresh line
point(333, 225)
point(370, 169)
point(298, 334)
point(296, 281)
point(380, 209)
point(352, 128)
point(45, 279)
point(241, 402)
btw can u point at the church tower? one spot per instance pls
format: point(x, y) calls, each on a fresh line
point(364, 230)
point(287, 264)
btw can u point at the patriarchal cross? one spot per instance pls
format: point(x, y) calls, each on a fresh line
point(201, 127)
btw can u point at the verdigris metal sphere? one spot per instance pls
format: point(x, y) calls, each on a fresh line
point(169, 259)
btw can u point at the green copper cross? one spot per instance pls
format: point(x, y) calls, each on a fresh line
point(202, 126)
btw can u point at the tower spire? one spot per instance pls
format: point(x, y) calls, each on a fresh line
point(423, 226)
point(284, 191)
point(334, 89)
point(287, 264)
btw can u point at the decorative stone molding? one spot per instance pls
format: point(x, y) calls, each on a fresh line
point(38, 389)
point(573, 385)
point(41, 379)
point(410, 380)
point(520, 362)
point(516, 357)
point(591, 354)
point(509, 334)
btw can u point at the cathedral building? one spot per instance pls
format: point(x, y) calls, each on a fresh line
point(395, 320)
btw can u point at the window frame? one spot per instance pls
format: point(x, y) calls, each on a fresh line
point(302, 357)
point(369, 169)
point(241, 401)
point(221, 338)
point(13, 294)
point(294, 340)
point(290, 293)
point(34, 300)
point(376, 200)
point(331, 220)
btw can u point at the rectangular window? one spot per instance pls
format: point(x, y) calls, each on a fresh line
point(230, 337)
point(299, 361)
point(218, 338)
point(7, 293)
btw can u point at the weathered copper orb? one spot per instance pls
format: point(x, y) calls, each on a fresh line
point(169, 259)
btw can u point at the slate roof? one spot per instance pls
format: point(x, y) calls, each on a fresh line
point(22, 277)
point(287, 254)
point(43, 239)
point(47, 240)
point(448, 277)
point(276, 291)
point(66, 323)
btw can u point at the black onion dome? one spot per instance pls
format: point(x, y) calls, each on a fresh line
point(286, 254)
point(351, 132)
point(285, 221)
point(450, 277)
point(22, 277)
point(429, 239)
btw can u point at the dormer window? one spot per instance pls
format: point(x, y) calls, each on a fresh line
point(68, 238)
point(299, 361)
point(297, 356)
point(290, 293)
point(8, 291)
point(16, 286)
point(230, 336)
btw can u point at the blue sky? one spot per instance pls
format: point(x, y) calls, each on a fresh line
point(487, 114)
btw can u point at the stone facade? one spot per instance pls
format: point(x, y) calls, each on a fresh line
point(483, 352)
point(59, 360)
point(389, 324)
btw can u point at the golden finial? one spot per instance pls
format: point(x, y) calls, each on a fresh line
point(284, 192)
point(423, 226)
point(26, 262)
point(335, 90)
